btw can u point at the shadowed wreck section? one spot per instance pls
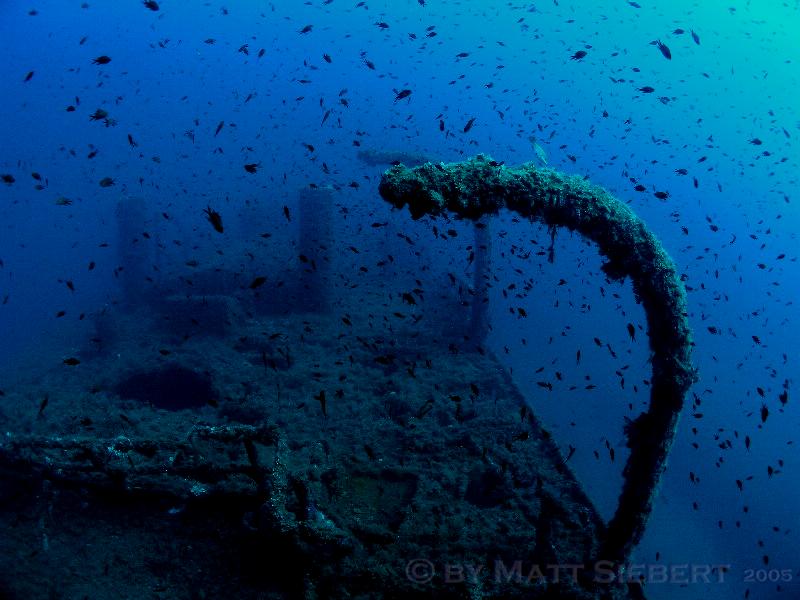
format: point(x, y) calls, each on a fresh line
point(481, 187)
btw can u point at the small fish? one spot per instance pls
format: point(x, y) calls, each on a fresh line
point(306, 29)
point(219, 128)
point(647, 89)
point(28, 77)
point(695, 37)
point(214, 218)
point(322, 402)
point(408, 298)
point(469, 125)
point(578, 55)
point(106, 182)
point(664, 50)
point(151, 4)
point(252, 167)
point(402, 94)
point(71, 361)
point(286, 213)
point(257, 282)
point(632, 331)
point(101, 60)
point(571, 452)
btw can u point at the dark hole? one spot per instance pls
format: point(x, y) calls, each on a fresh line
point(170, 388)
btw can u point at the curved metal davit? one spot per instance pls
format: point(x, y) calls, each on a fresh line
point(481, 186)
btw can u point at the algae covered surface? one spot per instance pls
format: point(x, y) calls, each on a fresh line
point(318, 465)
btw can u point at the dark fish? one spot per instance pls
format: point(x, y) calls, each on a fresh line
point(408, 298)
point(632, 332)
point(43, 404)
point(214, 218)
point(106, 182)
point(647, 89)
point(252, 167)
point(322, 402)
point(286, 213)
point(151, 4)
point(28, 77)
point(695, 37)
point(578, 55)
point(402, 94)
point(7, 179)
point(101, 60)
point(219, 128)
point(469, 125)
point(306, 29)
point(71, 361)
point(257, 282)
point(664, 50)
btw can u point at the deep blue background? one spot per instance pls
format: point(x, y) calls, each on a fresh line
point(710, 101)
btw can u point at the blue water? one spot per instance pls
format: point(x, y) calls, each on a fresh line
point(723, 108)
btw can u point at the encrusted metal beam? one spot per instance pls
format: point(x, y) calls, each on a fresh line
point(482, 186)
